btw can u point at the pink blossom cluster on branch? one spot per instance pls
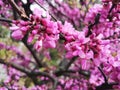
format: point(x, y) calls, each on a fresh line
point(92, 51)
point(43, 30)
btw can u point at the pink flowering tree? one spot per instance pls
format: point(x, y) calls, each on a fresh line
point(59, 45)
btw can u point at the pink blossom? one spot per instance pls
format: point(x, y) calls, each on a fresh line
point(38, 45)
point(30, 38)
point(17, 35)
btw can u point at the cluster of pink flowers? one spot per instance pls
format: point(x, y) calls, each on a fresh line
point(4, 9)
point(47, 32)
point(63, 11)
point(74, 40)
point(108, 29)
point(96, 46)
point(44, 31)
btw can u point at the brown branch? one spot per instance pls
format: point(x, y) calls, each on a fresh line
point(96, 22)
point(104, 76)
point(64, 72)
point(71, 62)
point(27, 7)
point(24, 40)
point(5, 20)
point(18, 9)
point(16, 66)
point(3, 84)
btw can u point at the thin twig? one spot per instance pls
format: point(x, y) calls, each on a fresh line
point(5, 20)
point(18, 9)
point(16, 66)
point(69, 64)
point(104, 76)
point(32, 52)
point(96, 22)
